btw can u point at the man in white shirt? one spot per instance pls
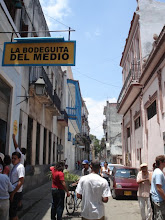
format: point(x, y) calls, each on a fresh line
point(16, 175)
point(94, 191)
point(22, 151)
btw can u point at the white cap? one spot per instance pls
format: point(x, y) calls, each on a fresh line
point(143, 165)
point(2, 156)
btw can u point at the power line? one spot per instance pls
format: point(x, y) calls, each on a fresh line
point(58, 21)
point(97, 79)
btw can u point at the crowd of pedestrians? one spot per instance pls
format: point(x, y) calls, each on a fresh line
point(151, 190)
point(92, 187)
point(12, 174)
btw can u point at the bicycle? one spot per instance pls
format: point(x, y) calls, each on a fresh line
point(72, 202)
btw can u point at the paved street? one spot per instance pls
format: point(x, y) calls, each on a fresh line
point(37, 205)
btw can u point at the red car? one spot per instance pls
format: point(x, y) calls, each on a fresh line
point(123, 182)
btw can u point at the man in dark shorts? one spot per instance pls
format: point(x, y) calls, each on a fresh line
point(58, 191)
point(16, 175)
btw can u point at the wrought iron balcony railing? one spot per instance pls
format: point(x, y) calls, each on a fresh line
point(63, 116)
point(35, 74)
point(104, 124)
point(132, 78)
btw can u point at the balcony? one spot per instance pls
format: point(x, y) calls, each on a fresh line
point(104, 124)
point(74, 110)
point(49, 97)
point(130, 89)
point(63, 119)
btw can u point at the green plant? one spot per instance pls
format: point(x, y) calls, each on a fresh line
point(69, 177)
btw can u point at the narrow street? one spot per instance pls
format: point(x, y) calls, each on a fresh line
point(37, 206)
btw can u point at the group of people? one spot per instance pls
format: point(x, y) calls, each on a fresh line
point(12, 174)
point(151, 190)
point(91, 188)
point(94, 190)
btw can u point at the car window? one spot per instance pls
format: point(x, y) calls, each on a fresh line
point(126, 173)
point(111, 167)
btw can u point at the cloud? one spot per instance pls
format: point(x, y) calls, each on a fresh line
point(96, 117)
point(57, 9)
point(97, 32)
point(90, 35)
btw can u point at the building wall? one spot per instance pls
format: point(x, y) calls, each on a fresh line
point(112, 130)
point(10, 76)
point(151, 21)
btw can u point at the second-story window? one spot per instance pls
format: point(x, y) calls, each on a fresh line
point(151, 110)
point(137, 123)
point(10, 6)
point(128, 132)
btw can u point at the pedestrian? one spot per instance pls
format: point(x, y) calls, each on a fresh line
point(86, 170)
point(144, 191)
point(58, 191)
point(105, 172)
point(16, 175)
point(1, 162)
point(94, 191)
point(152, 204)
point(78, 163)
point(158, 188)
point(5, 188)
point(6, 167)
point(66, 169)
point(22, 151)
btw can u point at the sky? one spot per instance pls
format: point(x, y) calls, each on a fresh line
point(101, 29)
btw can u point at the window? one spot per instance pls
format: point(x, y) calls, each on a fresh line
point(128, 132)
point(151, 110)
point(137, 123)
point(10, 6)
point(24, 27)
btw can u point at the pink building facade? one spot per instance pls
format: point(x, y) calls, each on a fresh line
point(142, 98)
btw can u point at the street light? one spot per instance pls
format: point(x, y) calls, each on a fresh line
point(40, 86)
point(39, 89)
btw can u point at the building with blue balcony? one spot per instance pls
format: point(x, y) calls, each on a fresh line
point(74, 104)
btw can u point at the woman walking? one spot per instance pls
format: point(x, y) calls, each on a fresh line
point(105, 172)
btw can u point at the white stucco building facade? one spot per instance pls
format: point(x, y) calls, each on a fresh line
point(142, 98)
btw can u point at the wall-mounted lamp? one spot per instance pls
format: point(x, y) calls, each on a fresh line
point(39, 89)
point(40, 86)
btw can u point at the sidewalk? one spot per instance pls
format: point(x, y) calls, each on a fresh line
point(37, 203)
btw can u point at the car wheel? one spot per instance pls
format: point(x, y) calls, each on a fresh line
point(113, 194)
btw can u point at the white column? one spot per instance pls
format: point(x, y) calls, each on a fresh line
point(24, 130)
